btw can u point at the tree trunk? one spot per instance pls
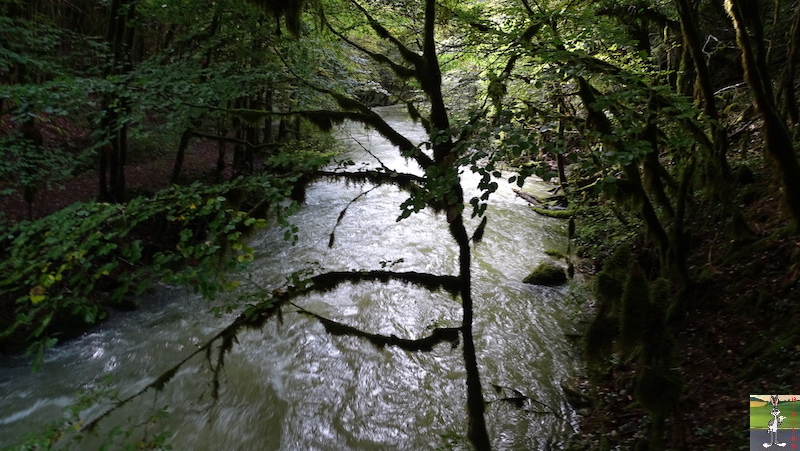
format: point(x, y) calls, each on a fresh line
point(560, 160)
point(102, 168)
point(603, 125)
point(187, 134)
point(691, 38)
point(428, 73)
point(476, 406)
point(252, 141)
point(182, 145)
point(238, 154)
point(119, 35)
point(220, 152)
point(789, 105)
point(651, 164)
point(778, 141)
point(268, 123)
point(283, 129)
point(117, 162)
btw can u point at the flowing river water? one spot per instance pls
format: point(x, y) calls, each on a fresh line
point(291, 385)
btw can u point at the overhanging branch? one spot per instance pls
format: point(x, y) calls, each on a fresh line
point(407, 54)
point(426, 344)
point(256, 315)
point(372, 119)
point(400, 70)
point(325, 118)
point(407, 182)
point(432, 282)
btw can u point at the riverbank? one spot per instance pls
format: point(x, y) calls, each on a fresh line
point(80, 257)
point(739, 335)
point(147, 170)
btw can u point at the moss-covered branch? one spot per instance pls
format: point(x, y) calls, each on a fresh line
point(331, 280)
point(326, 118)
point(399, 70)
point(407, 182)
point(407, 54)
point(256, 315)
point(371, 119)
point(426, 344)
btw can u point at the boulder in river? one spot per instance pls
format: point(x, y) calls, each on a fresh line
point(547, 274)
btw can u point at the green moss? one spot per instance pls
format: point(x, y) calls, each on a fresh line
point(346, 103)
point(659, 389)
point(610, 282)
point(608, 290)
point(559, 214)
point(620, 261)
point(658, 342)
point(634, 310)
point(250, 116)
point(547, 274)
point(599, 342)
point(554, 253)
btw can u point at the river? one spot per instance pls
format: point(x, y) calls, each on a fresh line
point(291, 385)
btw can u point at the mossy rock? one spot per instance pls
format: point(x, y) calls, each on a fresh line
point(575, 397)
point(547, 274)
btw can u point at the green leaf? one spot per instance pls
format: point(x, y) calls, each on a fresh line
point(38, 294)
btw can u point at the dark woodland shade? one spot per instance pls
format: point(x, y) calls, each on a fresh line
point(289, 10)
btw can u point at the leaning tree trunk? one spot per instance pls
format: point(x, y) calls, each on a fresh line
point(789, 104)
point(777, 140)
point(691, 38)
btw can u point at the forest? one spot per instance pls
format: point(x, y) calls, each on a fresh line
point(153, 143)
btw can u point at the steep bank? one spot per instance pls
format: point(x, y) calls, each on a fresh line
point(739, 336)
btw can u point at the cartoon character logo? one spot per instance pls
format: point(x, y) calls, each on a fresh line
point(772, 425)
